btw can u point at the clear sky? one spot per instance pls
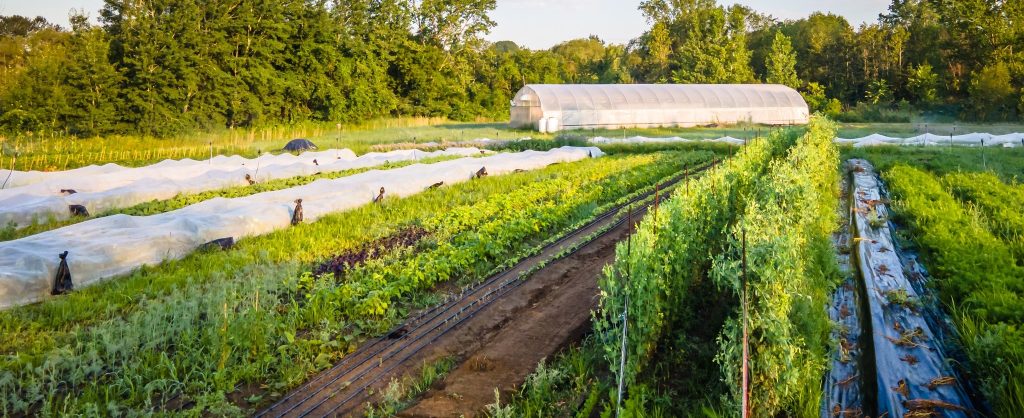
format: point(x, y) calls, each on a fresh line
point(541, 24)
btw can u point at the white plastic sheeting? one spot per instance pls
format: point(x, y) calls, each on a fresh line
point(23, 178)
point(101, 188)
point(929, 139)
point(646, 140)
point(575, 106)
point(114, 245)
point(974, 139)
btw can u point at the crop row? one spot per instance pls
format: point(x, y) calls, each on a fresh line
point(780, 263)
point(683, 269)
point(202, 325)
point(999, 203)
point(665, 256)
point(977, 274)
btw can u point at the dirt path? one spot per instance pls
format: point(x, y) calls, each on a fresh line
point(503, 346)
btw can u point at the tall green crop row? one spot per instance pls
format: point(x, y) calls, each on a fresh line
point(789, 274)
point(671, 251)
point(978, 279)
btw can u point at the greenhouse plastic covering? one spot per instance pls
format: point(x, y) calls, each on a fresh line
point(114, 245)
point(908, 357)
point(100, 188)
point(576, 106)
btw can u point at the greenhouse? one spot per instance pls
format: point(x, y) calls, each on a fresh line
point(554, 107)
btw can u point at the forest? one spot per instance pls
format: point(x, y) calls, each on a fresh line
point(165, 67)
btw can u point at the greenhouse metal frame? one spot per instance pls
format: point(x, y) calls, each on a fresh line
point(554, 107)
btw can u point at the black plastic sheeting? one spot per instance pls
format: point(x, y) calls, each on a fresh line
point(844, 384)
point(912, 373)
point(299, 145)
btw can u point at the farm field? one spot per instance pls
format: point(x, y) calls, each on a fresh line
point(957, 242)
point(279, 306)
point(722, 259)
point(499, 208)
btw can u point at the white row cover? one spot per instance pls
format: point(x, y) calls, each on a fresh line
point(971, 139)
point(23, 178)
point(645, 140)
point(115, 245)
point(101, 188)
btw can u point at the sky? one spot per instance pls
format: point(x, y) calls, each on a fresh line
point(540, 24)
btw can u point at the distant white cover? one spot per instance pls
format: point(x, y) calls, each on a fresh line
point(111, 186)
point(636, 140)
point(930, 139)
point(114, 245)
point(674, 139)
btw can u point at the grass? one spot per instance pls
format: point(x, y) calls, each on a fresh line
point(1006, 163)
point(52, 154)
point(978, 278)
point(200, 325)
point(62, 153)
point(400, 394)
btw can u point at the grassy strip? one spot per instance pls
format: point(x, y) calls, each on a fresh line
point(10, 232)
point(999, 204)
point(978, 278)
point(217, 329)
point(1008, 164)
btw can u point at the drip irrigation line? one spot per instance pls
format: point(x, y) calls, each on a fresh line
point(372, 350)
point(505, 288)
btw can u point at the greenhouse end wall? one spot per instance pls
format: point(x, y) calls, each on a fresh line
point(611, 106)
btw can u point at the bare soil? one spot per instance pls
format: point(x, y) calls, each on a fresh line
point(502, 345)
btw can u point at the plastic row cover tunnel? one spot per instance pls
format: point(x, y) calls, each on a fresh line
point(912, 373)
point(972, 139)
point(121, 187)
point(109, 246)
point(16, 178)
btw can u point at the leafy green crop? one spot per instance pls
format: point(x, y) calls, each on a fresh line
point(976, 273)
point(790, 273)
point(201, 325)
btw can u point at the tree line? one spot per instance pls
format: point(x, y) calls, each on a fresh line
point(161, 67)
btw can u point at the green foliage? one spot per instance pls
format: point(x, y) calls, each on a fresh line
point(923, 84)
point(817, 101)
point(790, 272)
point(881, 113)
point(998, 203)
point(784, 196)
point(879, 93)
point(991, 92)
point(201, 325)
point(781, 63)
point(691, 224)
point(976, 273)
point(1005, 163)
